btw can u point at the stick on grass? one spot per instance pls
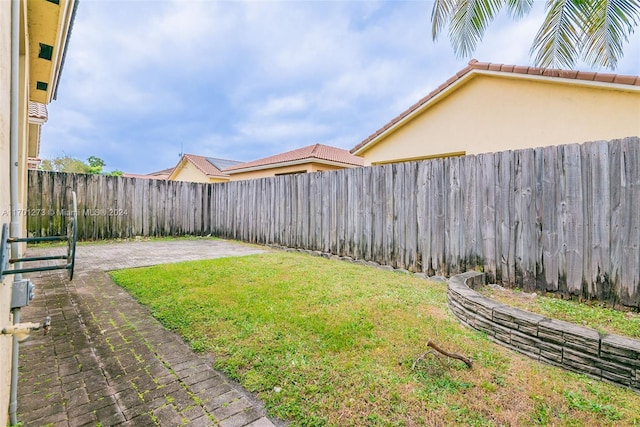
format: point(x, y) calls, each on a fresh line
point(434, 348)
point(464, 359)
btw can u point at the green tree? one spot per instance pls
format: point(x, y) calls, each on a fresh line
point(93, 165)
point(592, 30)
point(64, 164)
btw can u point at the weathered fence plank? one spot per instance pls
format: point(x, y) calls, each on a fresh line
point(388, 256)
point(629, 221)
point(422, 216)
point(438, 214)
point(471, 251)
point(525, 219)
point(411, 212)
point(573, 218)
point(398, 243)
point(549, 279)
point(505, 226)
point(486, 191)
point(454, 225)
point(377, 214)
point(596, 183)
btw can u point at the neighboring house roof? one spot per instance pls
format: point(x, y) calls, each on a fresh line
point(33, 163)
point(318, 153)
point(206, 165)
point(163, 173)
point(222, 163)
point(38, 112)
point(38, 116)
point(487, 68)
point(141, 176)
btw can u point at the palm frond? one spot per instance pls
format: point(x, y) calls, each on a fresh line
point(558, 43)
point(519, 8)
point(469, 22)
point(440, 16)
point(610, 24)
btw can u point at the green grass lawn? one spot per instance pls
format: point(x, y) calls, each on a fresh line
point(325, 342)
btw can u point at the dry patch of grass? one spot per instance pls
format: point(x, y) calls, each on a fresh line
point(328, 343)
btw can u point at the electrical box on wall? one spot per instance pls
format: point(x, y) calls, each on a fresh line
point(23, 292)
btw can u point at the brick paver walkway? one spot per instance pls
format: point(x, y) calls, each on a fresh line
point(107, 362)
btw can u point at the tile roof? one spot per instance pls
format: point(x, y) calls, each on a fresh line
point(311, 153)
point(475, 65)
point(38, 111)
point(163, 172)
point(141, 176)
point(206, 164)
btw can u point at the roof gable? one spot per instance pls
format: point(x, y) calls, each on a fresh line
point(205, 166)
point(201, 163)
point(513, 71)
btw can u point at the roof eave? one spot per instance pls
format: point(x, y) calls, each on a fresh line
point(178, 167)
point(37, 120)
point(562, 80)
point(67, 36)
point(427, 104)
point(292, 163)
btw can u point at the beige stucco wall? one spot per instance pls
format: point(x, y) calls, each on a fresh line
point(23, 152)
point(5, 287)
point(489, 114)
point(304, 167)
point(188, 172)
point(24, 82)
point(5, 181)
point(318, 167)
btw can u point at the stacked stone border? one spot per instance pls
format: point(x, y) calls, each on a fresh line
point(608, 357)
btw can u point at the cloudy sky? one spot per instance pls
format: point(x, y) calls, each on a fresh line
point(146, 80)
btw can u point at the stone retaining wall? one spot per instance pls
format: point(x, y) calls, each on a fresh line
point(607, 357)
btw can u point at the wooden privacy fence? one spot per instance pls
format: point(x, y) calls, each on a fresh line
point(563, 219)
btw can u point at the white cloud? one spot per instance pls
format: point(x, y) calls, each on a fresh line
point(266, 130)
point(245, 80)
point(283, 105)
